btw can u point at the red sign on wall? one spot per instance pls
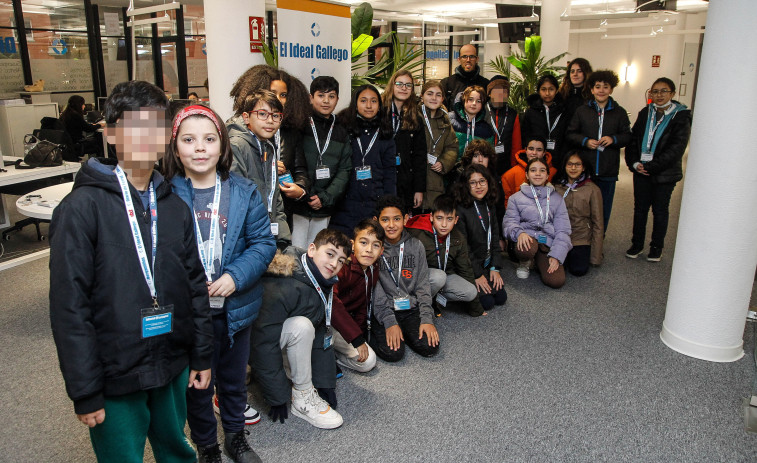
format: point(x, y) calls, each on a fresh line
point(257, 29)
point(655, 61)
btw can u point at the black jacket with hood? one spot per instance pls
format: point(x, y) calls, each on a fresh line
point(97, 290)
point(534, 123)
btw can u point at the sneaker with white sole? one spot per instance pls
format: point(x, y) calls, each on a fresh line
point(251, 416)
point(523, 270)
point(309, 406)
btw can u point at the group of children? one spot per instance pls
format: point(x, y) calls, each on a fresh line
point(361, 273)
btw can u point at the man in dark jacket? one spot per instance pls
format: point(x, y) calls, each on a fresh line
point(467, 74)
point(296, 290)
point(128, 301)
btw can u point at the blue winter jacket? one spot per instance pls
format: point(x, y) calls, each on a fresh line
point(247, 250)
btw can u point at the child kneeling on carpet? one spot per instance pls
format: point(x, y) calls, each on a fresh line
point(295, 319)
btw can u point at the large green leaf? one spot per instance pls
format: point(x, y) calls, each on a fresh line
point(360, 44)
point(362, 19)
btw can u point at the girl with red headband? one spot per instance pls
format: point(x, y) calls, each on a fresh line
point(236, 245)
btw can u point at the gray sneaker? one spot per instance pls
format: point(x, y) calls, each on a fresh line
point(309, 406)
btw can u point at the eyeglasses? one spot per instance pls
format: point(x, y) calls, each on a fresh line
point(481, 182)
point(659, 92)
point(263, 115)
point(574, 164)
point(408, 85)
point(468, 57)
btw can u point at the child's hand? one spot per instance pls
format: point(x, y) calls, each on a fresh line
point(362, 352)
point(524, 242)
point(605, 141)
point(592, 143)
point(291, 190)
point(482, 285)
point(199, 379)
point(394, 337)
point(496, 280)
point(223, 286)
point(437, 167)
point(280, 168)
point(417, 199)
point(315, 202)
point(553, 265)
point(431, 333)
point(92, 419)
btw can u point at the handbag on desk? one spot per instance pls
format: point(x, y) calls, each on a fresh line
point(40, 153)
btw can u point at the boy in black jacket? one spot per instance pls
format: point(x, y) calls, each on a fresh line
point(402, 303)
point(128, 300)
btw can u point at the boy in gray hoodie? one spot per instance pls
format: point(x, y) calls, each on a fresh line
point(402, 312)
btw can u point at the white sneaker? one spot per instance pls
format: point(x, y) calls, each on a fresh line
point(523, 271)
point(309, 406)
point(251, 416)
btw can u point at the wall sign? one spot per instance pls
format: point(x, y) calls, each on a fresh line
point(257, 33)
point(655, 61)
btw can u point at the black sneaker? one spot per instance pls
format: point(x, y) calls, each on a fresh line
point(209, 454)
point(655, 254)
point(634, 251)
point(238, 449)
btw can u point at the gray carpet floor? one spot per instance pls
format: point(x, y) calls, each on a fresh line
point(576, 374)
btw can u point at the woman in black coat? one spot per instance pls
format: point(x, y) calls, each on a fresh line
point(73, 119)
point(659, 140)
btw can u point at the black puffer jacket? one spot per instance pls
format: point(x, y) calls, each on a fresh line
point(585, 126)
point(97, 290)
point(475, 235)
point(534, 122)
point(293, 157)
point(288, 292)
point(665, 166)
point(411, 173)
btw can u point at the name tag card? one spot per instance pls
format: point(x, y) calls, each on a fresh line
point(157, 321)
point(551, 144)
point(363, 173)
point(431, 158)
point(541, 238)
point(216, 302)
point(275, 228)
point(402, 303)
point(646, 157)
point(328, 338)
point(322, 172)
point(399, 161)
point(499, 149)
point(441, 300)
point(286, 177)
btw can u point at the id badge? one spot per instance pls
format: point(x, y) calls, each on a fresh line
point(275, 228)
point(551, 144)
point(363, 173)
point(401, 303)
point(600, 148)
point(499, 149)
point(328, 338)
point(646, 157)
point(157, 321)
point(399, 161)
point(322, 172)
point(286, 177)
point(441, 300)
point(431, 158)
point(216, 302)
point(541, 238)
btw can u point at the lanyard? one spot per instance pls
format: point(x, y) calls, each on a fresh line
point(572, 186)
point(650, 137)
point(319, 290)
point(552, 127)
point(399, 270)
point(370, 145)
point(446, 252)
point(430, 133)
point(396, 119)
point(317, 143)
point(137, 233)
point(488, 230)
point(207, 259)
point(601, 116)
point(370, 300)
point(273, 168)
point(471, 131)
point(495, 124)
point(542, 218)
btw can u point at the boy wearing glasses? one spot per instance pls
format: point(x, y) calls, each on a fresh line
point(466, 75)
point(251, 135)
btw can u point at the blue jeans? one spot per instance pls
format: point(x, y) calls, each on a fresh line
point(229, 371)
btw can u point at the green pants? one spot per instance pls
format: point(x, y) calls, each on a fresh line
point(158, 414)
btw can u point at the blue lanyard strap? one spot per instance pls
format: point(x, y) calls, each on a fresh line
point(601, 117)
point(552, 127)
point(430, 133)
point(327, 304)
point(542, 218)
point(317, 143)
point(370, 145)
point(207, 259)
point(446, 251)
point(136, 233)
point(399, 269)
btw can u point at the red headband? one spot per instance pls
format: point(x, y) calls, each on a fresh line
point(193, 110)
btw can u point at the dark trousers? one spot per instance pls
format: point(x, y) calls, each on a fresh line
point(607, 188)
point(229, 370)
point(540, 253)
point(409, 322)
point(648, 194)
point(577, 261)
point(488, 301)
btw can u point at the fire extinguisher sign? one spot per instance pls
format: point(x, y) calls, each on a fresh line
point(256, 33)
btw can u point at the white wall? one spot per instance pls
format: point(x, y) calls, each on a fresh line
point(617, 53)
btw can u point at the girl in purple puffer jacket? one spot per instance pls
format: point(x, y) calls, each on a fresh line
point(537, 220)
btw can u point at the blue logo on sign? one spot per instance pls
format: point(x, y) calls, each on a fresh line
point(315, 73)
point(315, 29)
point(59, 46)
point(7, 45)
point(204, 49)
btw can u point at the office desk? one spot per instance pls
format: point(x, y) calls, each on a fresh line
point(42, 207)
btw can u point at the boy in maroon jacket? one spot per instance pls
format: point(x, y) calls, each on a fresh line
point(353, 298)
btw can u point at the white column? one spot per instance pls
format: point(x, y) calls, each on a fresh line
point(716, 248)
point(554, 33)
point(227, 39)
